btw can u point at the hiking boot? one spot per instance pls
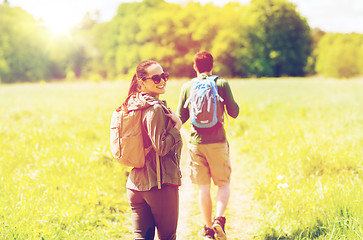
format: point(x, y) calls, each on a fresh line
point(207, 233)
point(218, 227)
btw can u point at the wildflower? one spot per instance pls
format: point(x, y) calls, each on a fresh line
point(282, 185)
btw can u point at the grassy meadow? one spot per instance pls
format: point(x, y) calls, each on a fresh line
point(297, 145)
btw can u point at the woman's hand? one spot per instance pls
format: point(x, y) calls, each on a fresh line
point(175, 118)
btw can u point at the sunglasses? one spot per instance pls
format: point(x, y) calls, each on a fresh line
point(157, 78)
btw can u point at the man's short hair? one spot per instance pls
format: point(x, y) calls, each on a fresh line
point(203, 61)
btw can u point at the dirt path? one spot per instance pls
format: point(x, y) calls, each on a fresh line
point(186, 192)
point(241, 223)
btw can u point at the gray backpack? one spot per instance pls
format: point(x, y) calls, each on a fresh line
point(203, 101)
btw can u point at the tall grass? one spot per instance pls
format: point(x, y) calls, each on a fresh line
point(300, 139)
point(304, 139)
point(58, 180)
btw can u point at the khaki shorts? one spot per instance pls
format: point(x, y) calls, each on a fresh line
point(210, 161)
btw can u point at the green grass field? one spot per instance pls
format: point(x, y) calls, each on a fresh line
point(297, 144)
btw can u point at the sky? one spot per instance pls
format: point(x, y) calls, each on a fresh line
point(342, 16)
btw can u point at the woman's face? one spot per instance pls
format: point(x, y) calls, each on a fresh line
point(148, 85)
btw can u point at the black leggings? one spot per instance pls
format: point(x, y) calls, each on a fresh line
point(154, 208)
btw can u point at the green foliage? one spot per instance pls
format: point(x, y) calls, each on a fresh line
point(276, 41)
point(302, 139)
point(316, 35)
point(30, 52)
point(340, 55)
point(166, 32)
point(225, 48)
point(22, 52)
point(169, 33)
point(264, 38)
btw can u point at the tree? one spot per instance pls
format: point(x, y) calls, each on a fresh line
point(276, 41)
point(316, 35)
point(22, 40)
point(225, 46)
point(265, 38)
point(340, 55)
point(170, 34)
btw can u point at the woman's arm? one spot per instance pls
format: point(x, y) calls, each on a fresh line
point(163, 140)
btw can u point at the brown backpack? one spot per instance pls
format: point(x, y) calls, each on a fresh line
point(127, 142)
point(126, 138)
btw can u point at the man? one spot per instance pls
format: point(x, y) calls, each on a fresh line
point(209, 149)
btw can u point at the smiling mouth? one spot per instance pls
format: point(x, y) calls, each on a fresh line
point(160, 87)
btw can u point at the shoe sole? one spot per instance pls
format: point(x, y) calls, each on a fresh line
point(205, 237)
point(208, 238)
point(220, 235)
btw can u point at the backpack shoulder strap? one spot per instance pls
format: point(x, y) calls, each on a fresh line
point(194, 80)
point(166, 110)
point(158, 171)
point(214, 77)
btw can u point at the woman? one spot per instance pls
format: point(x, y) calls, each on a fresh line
point(152, 207)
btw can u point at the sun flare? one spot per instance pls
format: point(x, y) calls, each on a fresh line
point(58, 26)
point(59, 19)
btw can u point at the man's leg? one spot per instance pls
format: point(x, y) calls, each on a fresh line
point(205, 202)
point(222, 199)
point(220, 166)
point(220, 169)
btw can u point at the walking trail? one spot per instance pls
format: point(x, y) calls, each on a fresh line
point(241, 222)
